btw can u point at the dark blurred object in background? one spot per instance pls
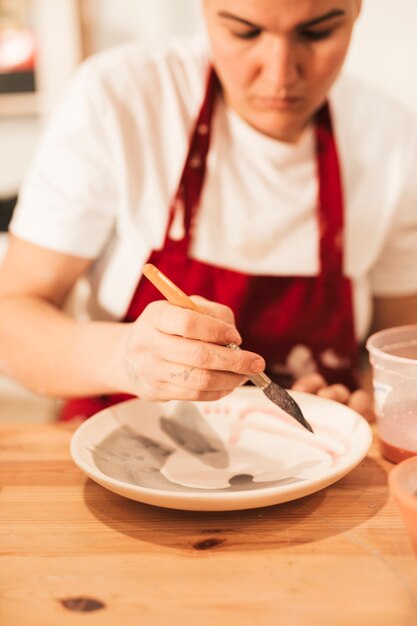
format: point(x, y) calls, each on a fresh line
point(6, 210)
point(17, 47)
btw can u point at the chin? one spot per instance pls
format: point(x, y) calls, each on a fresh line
point(287, 130)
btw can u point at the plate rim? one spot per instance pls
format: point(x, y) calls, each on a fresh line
point(246, 499)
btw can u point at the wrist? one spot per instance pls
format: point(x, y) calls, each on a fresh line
point(109, 363)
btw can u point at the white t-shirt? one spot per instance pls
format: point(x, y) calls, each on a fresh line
point(110, 162)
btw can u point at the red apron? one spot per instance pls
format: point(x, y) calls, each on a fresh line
point(276, 315)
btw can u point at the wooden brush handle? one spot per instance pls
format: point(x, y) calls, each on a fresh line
point(172, 293)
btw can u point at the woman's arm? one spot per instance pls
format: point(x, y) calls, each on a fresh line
point(40, 346)
point(168, 353)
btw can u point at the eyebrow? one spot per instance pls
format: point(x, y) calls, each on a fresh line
point(318, 20)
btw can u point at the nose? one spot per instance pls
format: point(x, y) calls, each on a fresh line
point(281, 65)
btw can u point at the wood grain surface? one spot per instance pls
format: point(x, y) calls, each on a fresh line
point(74, 553)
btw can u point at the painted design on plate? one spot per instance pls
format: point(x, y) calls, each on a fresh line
point(218, 446)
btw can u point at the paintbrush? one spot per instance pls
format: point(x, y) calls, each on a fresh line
point(279, 396)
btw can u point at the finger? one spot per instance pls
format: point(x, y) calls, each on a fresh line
point(215, 309)
point(199, 379)
point(311, 383)
point(161, 391)
point(362, 402)
point(201, 355)
point(174, 320)
point(339, 393)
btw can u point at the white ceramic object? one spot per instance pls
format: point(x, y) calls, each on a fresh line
point(237, 453)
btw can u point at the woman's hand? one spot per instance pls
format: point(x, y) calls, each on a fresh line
point(174, 353)
point(360, 401)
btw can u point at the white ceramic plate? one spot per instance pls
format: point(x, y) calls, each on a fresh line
point(237, 453)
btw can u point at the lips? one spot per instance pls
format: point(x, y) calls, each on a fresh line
point(281, 103)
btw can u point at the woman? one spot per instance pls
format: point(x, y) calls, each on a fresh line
point(287, 212)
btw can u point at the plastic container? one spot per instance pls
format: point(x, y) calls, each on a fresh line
point(393, 356)
point(403, 487)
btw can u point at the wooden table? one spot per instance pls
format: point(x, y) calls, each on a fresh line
point(340, 557)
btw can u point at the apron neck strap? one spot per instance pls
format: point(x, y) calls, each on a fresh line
point(331, 203)
point(185, 203)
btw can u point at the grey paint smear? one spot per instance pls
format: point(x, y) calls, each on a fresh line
point(125, 455)
point(136, 460)
point(191, 432)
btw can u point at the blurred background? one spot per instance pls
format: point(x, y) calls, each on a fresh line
point(43, 41)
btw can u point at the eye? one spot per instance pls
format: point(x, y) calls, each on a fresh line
point(249, 34)
point(316, 35)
